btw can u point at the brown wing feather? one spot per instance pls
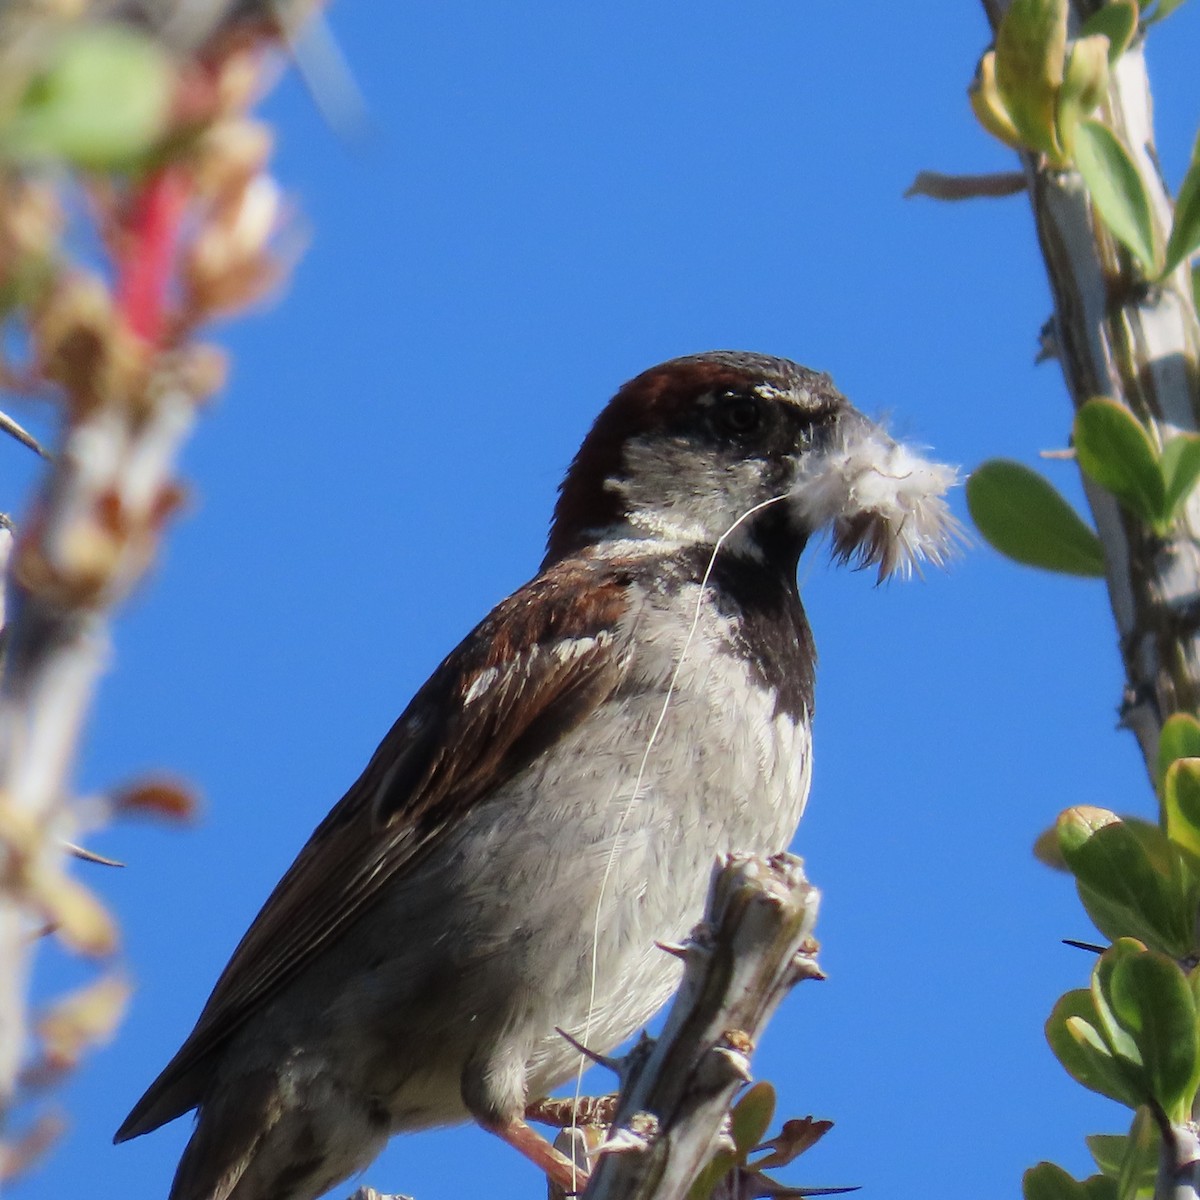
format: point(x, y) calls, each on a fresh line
point(448, 751)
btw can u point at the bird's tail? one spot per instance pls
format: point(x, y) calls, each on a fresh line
point(230, 1128)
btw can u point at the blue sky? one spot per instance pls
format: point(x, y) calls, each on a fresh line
point(551, 197)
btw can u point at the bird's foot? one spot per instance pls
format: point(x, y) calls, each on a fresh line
point(563, 1112)
point(557, 1167)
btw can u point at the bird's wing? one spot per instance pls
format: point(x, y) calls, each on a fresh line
point(537, 666)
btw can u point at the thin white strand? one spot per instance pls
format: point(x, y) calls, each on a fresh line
point(637, 784)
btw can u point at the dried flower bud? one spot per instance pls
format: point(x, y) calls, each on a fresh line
point(74, 564)
point(228, 265)
point(204, 370)
point(229, 154)
point(76, 914)
point(241, 80)
point(83, 1019)
point(19, 832)
point(31, 221)
point(72, 335)
point(156, 796)
point(80, 343)
point(19, 1155)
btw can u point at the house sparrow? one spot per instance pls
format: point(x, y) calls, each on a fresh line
point(549, 805)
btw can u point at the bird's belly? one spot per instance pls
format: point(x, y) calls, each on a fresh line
point(545, 904)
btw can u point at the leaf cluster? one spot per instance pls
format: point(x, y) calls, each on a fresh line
point(1024, 517)
point(95, 96)
point(1133, 1034)
point(1036, 91)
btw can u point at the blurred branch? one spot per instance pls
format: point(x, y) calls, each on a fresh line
point(174, 171)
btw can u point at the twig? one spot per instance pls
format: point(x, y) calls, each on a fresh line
point(937, 186)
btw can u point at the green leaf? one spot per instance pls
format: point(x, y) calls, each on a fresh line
point(1139, 1166)
point(988, 104)
point(1180, 468)
point(1152, 1001)
point(1196, 288)
point(1025, 518)
point(1048, 852)
point(751, 1118)
point(1117, 190)
point(1072, 1030)
point(1108, 1151)
point(1181, 803)
point(1180, 738)
point(1184, 240)
point(1118, 22)
point(1048, 1181)
point(1131, 880)
point(1120, 1042)
point(101, 102)
point(711, 1175)
point(1130, 1160)
point(1116, 452)
point(1084, 85)
point(1031, 46)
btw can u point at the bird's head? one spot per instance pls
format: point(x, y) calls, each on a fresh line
point(754, 454)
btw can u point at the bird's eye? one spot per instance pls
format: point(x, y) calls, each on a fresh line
point(739, 415)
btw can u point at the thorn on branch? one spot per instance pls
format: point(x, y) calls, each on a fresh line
point(1047, 343)
point(722, 1066)
point(91, 856)
point(22, 435)
point(804, 966)
point(626, 1141)
point(762, 1188)
point(601, 1060)
point(674, 949)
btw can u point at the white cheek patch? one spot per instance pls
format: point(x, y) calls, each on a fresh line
point(883, 503)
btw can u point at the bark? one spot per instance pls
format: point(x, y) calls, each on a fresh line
point(1178, 1164)
point(56, 648)
point(1139, 344)
point(755, 942)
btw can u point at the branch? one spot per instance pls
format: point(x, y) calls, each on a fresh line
point(1178, 1163)
point(187, 238)
point(1139, 344)
point(755, 942)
